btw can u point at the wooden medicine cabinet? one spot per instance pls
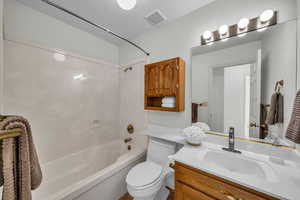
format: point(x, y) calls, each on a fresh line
point(165, 79)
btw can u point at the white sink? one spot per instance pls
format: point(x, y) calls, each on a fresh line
point(239, 165)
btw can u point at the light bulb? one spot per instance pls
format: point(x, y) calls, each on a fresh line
point(266, 16)
point(223, 30)
point(207, 35)
point(243, 23)
point(127, 4)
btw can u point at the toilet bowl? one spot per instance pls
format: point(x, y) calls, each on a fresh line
point(147, 179)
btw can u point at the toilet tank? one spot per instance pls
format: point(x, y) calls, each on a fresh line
point(159, 150)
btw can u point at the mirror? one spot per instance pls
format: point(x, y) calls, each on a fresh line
point(233, 81)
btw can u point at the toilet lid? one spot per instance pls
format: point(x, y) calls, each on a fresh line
point(143, 174)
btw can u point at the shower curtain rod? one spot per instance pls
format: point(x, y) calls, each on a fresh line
point(95, 25)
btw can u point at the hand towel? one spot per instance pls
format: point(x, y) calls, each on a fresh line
point(293, 130)
point(20, 168)
point(169, 100)
point(276, 112)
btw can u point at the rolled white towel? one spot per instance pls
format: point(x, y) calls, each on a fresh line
point(169, 100)
point(202, 125)
point(168, 105)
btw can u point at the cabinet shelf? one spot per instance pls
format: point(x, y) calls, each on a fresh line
point(164, 79)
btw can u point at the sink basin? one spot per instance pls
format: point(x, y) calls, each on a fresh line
point(238, 165)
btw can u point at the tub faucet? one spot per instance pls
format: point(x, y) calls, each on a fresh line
point(231, 142)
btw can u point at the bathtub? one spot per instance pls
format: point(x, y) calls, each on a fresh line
point(96, 173)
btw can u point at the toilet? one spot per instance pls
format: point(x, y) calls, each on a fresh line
point(146, 181)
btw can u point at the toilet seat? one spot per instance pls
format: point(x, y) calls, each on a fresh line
point(144, 175)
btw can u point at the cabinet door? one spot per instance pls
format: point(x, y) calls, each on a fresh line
point(151, 73)
point(168, 78)
point(184, 192)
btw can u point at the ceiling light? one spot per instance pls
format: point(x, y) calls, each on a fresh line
point(223, 30)
point(127, 4)
point(207, 35)
point(243, 23)
point(266, 16)
point(59, 57)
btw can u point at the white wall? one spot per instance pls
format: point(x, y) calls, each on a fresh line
point(176, 39)
point(25, 24)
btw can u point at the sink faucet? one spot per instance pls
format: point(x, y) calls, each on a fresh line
point(231, 142)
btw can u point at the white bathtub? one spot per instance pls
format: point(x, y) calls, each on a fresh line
point(96, 173)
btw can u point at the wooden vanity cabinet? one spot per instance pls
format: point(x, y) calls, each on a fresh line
point(165, 78)
point(194, 184)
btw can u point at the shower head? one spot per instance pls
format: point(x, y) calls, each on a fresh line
point(127, 69)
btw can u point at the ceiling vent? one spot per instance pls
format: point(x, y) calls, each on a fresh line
point(155, 17)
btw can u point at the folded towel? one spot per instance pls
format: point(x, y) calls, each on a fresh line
point(168, 105)
point(169, 100)
point(276, 112)
point(293, 130)
point(20, 169)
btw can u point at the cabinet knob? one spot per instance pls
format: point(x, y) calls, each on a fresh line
point(177, 86)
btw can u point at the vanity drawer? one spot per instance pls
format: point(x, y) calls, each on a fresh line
point(214, 186)
point(188, 193)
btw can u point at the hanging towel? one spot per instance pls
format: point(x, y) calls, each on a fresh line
point(20, 169)
point(194, 112)
point(293, 130)
point(263, 132)
point(276, 112)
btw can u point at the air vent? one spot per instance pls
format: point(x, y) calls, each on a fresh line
point(155, 17)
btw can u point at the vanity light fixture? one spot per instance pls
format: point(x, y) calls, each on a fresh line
point(127, 4)
point(241, 29)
